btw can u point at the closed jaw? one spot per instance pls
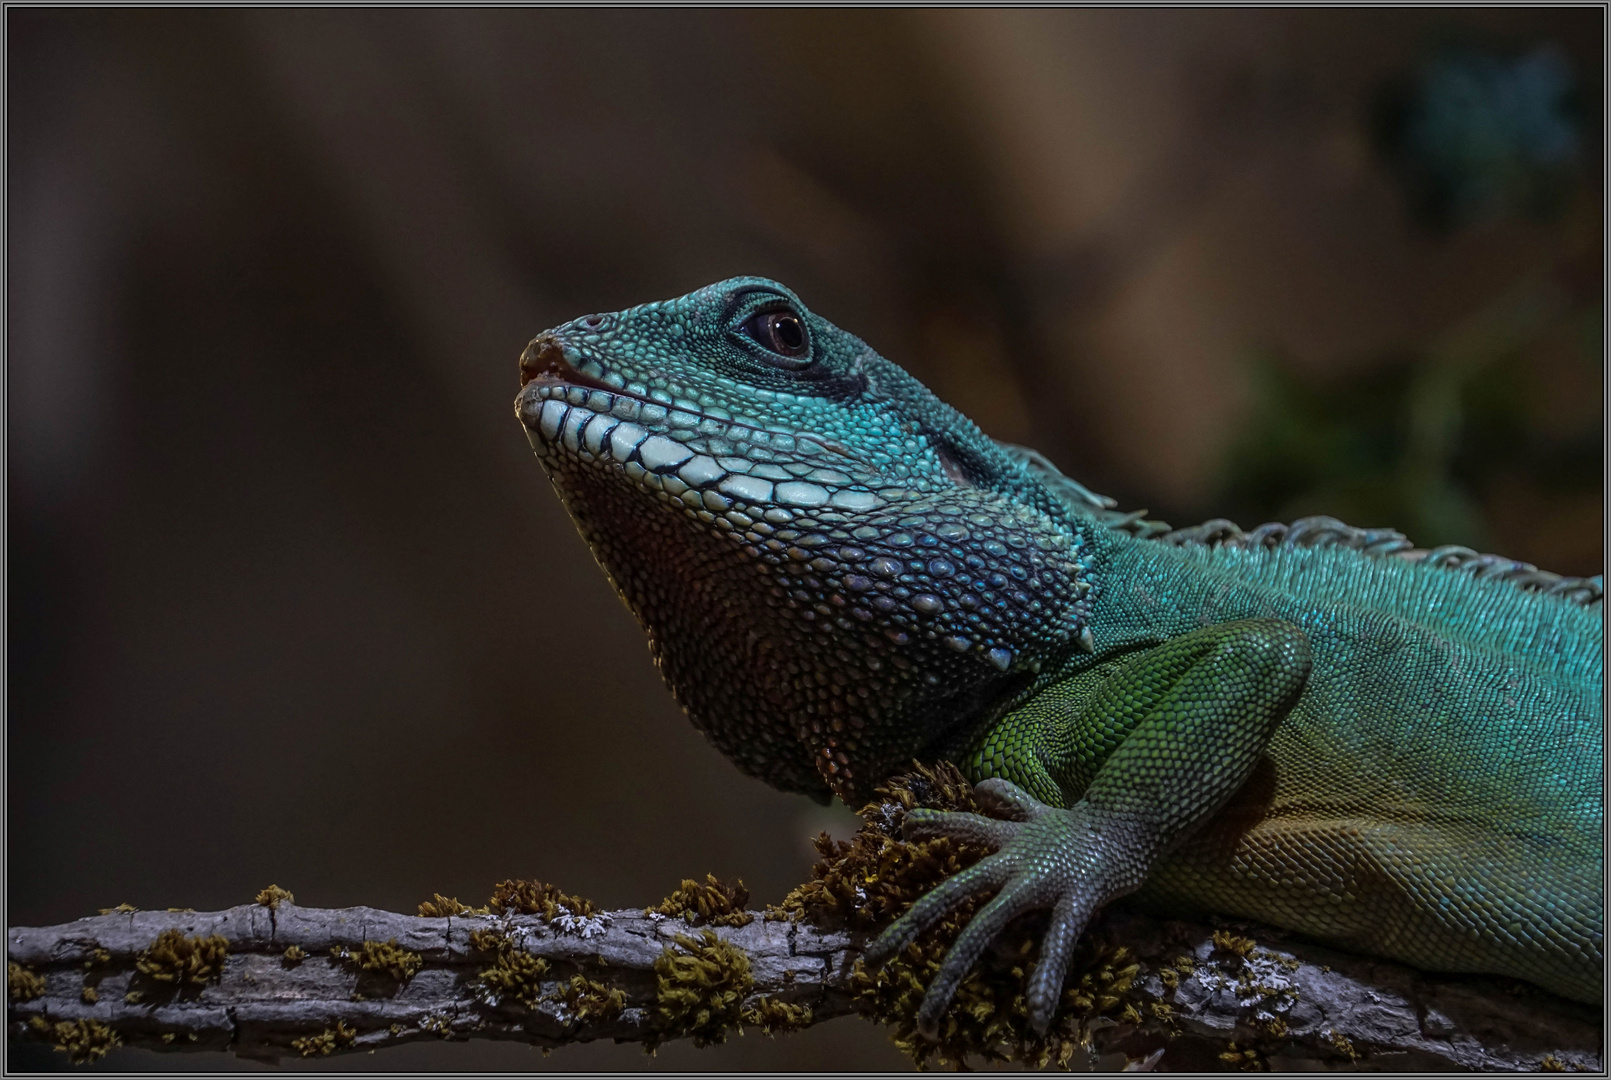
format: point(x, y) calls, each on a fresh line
point(649, 443)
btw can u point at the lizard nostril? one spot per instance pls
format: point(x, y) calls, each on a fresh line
point(542, 356)
point(593, 322)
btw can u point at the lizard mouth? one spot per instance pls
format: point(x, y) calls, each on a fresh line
point(707, 464)
point(543, 362)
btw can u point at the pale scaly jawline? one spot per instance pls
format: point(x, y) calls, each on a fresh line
point(709, 463)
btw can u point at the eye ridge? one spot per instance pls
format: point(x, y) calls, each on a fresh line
point(781, 331)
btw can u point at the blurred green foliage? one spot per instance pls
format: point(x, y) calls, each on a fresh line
point(1416, 441)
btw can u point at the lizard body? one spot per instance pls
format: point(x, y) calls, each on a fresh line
point(1320, 727)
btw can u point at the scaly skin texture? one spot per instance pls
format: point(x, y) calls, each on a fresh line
point(1319, 727)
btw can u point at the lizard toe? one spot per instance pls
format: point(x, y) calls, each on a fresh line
point(932, 906)
point(981, 930)
point(968, 828)
point(1045, 991)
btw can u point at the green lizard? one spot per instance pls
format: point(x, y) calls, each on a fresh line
point(1317, 726)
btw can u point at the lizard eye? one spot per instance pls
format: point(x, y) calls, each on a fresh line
point(782, 332)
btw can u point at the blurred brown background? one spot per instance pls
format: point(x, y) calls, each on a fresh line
point(290, 601)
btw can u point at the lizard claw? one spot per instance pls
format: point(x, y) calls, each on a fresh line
point(1071, 861)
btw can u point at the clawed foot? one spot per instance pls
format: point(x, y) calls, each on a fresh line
point(1071, 861)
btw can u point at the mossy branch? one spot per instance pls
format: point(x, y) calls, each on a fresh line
point(612, 984)
point(311, 981)
point(541, 967)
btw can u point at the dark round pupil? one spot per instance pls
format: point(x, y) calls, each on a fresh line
point(789, 333)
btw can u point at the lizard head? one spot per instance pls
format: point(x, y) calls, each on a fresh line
point(835, 569)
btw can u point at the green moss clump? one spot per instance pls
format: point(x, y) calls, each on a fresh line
point(294, 955)
point(988, 1017)
point(1226, 941)
point(384, 956)
point(700, 990)
point(514, 972)
point(867, 882)
point(121, 909)
point(327, 1041)
point(776, 1017)
point(21, 983)
point(1243, 1059)
point(440, 906)
point(715, 902)
point(173, 958)
point(83, 1041)
point(517, 897)
point(271, 897)
point(589, 1000)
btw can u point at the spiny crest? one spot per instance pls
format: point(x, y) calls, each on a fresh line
point(1317, 531)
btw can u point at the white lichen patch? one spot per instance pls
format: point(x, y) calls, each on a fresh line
point(580, 926)
point(1266, 985)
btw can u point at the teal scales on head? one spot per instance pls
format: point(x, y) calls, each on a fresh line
point(1316, 726)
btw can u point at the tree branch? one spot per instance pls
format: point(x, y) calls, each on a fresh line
point(1283, 1002)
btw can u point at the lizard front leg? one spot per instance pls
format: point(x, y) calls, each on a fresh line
point(1136, 762)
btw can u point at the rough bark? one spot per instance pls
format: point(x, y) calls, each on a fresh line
point(260, 1003)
